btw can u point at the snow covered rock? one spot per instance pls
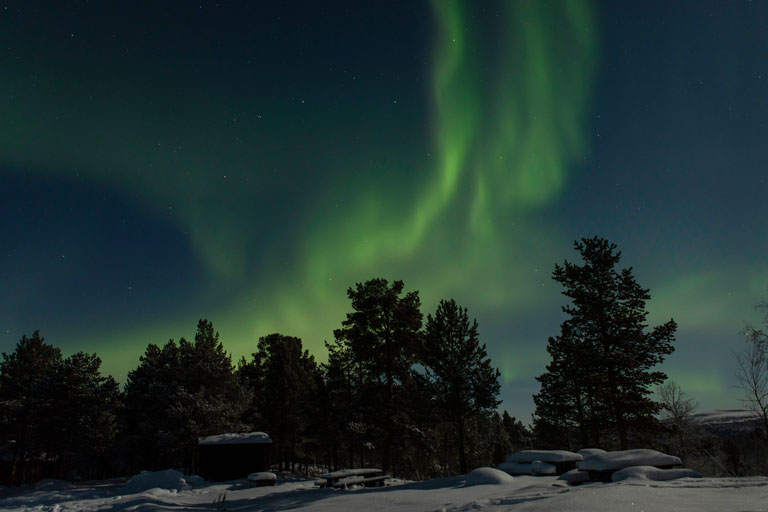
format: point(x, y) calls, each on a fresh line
point(170, 480)
point(194, 480)
point(612, 461)
point(539, 468)
point(652, 473)
point(550, 456)
point(488, 476)
point(575, 477)
point(588, 452)
point(561, 460)
point(516, 468)
point(263, 478)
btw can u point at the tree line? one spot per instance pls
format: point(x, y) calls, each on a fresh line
point(417, 397)
point(418, 400)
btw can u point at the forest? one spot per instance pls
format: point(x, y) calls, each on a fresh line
point(415, 396)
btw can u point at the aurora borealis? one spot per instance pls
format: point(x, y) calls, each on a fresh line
point(247, 162)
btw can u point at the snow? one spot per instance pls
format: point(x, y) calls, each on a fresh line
point(261, 476)
point(488, 476)
point(652, 473)
point(575, 477)
point(542, 468)
point(456, 494)
point(170, 480)
point(345, 473)
point(621, 459)
point(588, 452)
point(738, 419)
point(516, 468)
point(551, 456)
point(528, 468)
point(246, 438)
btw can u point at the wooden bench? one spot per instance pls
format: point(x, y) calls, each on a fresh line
point(368, 477)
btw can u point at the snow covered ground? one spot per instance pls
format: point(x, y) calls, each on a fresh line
point(521, 493)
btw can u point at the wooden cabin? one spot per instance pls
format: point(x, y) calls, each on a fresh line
point(232, 456)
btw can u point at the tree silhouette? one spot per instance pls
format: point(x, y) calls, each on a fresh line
point(282, 377)
point(459, 372)
point(382, 334)
point(601, 370)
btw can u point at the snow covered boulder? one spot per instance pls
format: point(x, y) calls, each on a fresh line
point(602, 466)
point(561, 459)
point(516, 468)
point(652, 473)
point(539, 468)
point(575, 477)
point(588, 452)
point(488, 476)
point(170, 480)
point(262, 478)
point(194, 480)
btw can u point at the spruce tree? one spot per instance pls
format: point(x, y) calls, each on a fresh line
point(465, 386)
point(602, 363)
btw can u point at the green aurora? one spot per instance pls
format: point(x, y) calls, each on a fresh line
point(456, 201)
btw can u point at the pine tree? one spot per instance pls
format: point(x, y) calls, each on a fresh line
point(382, 334)
point(180, 393)
point(282, 376)
point(22, 374)
point(465, 385)
point(80, 424)
point(149, 391)
point(602, 362)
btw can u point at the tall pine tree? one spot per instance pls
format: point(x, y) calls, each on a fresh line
point(282, 377)
point(601, 372)
point(465, 386)
point(382, 333)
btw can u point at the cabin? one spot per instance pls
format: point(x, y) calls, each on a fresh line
point(232, 456)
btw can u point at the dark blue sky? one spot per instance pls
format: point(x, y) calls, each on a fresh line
point(248, 162)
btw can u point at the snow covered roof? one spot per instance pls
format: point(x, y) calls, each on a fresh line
point(245, 438)
point(622, 459)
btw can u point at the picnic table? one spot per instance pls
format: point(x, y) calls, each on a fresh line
point(368, 477)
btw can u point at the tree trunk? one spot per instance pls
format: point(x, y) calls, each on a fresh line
point(462, 456)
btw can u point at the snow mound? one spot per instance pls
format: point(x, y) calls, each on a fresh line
point(170, 480)
point(588, 452)
point(652, 473)
point(488, 476)
point(194, 480)
point(247, 438)
point(543, 468)
point(575, 477)
point(52, 484)
point(516, 468)
point(262, 476)
point(611, 461)
point(550, 456)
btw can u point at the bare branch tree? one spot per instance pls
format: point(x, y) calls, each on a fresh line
point(752, 372)
point(678, 407)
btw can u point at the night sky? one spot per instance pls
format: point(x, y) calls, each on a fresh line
point(248, 162)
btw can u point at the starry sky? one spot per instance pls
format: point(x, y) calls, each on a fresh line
point(247, 162)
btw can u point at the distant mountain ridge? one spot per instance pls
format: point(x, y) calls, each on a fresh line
point(726, 419)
